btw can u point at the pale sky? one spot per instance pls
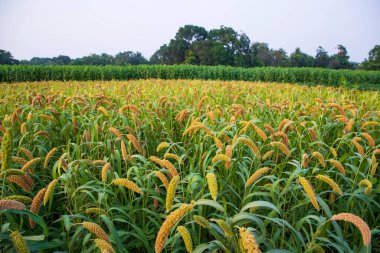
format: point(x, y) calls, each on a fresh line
point(48, 28)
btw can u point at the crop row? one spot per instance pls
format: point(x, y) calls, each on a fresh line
point(364, 79)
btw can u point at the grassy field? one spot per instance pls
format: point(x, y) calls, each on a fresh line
point(180, 165)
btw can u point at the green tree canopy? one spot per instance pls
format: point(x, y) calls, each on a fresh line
point(373, 61)
point(220, 46)
point(191, 33)
point(280, 58)
point(261, 55)
point(322, 59)
point(340, 60)
point(129, 58)
point(7, 58)
point(300, 59)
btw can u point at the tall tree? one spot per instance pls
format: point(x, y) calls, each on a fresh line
point(340, 60)
point(208, 52)
point(7, 58)
point(199, 53)
point(226, 45)
point(61, 60)
point(95, 59)
point(261, 55)
point(322, 59)
point(191, 33)
point(220, 55)
point(242, 52)
point(161, 56)
point(129, 57)
point(300, 59)
point(280, 58)
point(177, 50)
point(229, 47)
point(106, 59)
point(40, 61)
point(373, 61)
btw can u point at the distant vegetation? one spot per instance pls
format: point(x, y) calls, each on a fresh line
point(357, 78)
point(223, 46)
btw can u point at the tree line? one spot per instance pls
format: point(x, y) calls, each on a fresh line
point(195, 45)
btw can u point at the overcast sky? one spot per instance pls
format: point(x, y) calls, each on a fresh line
point(76, 28)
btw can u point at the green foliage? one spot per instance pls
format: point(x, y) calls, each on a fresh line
point(126, 58)
point(373, 61)
point(7, 58)
point(322, 59)
point(340, 60)
point(120, 59)
point(219, 46)
point(300, 59)
point(366, 79)
point(60, 60)
point(191, 33)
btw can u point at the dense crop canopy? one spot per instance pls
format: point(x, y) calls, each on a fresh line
point(350, 78)
point(176, 166)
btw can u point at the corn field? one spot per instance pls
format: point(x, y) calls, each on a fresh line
point(365, 80)
point(188, 166)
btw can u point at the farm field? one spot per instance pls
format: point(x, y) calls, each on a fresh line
point(188, 166)
point(358, 79)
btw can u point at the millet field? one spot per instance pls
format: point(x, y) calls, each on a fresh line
point(188, 166)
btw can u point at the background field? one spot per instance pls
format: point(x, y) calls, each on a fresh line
point(251, 155)
point(311, 76)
